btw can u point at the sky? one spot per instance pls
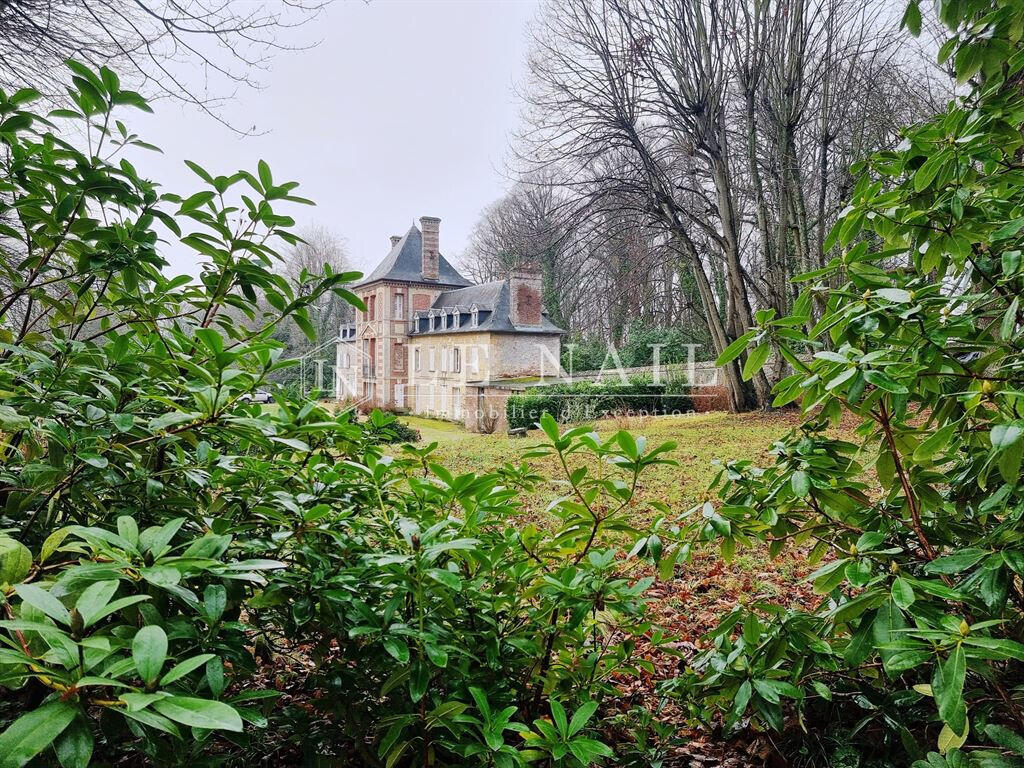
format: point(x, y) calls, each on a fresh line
point(402, 110)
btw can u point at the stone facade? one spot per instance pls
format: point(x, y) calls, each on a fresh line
point(516, 357)
point(448, 370)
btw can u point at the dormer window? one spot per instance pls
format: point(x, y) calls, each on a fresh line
point(431, 321)
point(444, 319)
point(474, 316)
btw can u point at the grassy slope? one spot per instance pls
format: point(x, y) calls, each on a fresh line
point(700, 438)
point(705, 588)
point(701, 591)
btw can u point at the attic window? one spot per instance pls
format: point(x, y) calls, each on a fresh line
point(474, 316)
point(431, 321)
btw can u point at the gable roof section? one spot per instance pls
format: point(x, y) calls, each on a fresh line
point(492, 299)
point(405, 263)
point(485, 296)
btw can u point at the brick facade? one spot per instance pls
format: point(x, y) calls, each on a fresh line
point(527, 306)
point(431, 228)
point(527, 301)
point(378, 369)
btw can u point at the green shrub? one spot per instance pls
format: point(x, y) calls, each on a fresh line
point(588, 400)
point(137, 630)
point(388, 429)
point(918, 526)
point(445, 625)
point(165, 545)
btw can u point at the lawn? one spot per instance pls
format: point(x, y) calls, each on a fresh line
point(701, 591)
point(700, 440)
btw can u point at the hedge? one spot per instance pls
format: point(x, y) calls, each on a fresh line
point(585, 400)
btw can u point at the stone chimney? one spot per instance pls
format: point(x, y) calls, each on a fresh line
point(395, 239)
point(525, 295)
point(431, 228)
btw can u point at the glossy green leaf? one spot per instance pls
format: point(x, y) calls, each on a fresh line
point(33, 732)
point(149, 651)
point(199, 713)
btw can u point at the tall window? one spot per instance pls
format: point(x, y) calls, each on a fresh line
point(368, 361)
point(456, 359)
point(416, 358)
point(431, 360)
point(371, 307)
point(399, 306)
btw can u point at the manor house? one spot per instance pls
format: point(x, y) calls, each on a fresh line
point(430, 342)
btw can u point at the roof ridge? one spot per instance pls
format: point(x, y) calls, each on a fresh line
point(404, 263)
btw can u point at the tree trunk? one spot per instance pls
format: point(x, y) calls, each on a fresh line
point(741, 315)
point(719, 337)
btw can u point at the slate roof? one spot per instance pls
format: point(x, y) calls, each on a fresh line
point(493, 303)
point(484, 295)
point(405, 263)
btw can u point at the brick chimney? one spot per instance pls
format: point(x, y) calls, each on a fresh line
point(395, 239)
point(525, 295)
point(431, 228)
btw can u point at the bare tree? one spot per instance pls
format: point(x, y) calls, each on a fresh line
point(723, 128)
point(530, 224)
point(320, 247)
point(152, 43)
point(589, 99)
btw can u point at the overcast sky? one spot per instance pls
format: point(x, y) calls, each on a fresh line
point(403, 110)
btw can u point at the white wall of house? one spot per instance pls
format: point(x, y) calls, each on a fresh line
point(442, 365)
point(519, 355)
point(346, 362)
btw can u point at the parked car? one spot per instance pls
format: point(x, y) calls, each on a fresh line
point(257, 396)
